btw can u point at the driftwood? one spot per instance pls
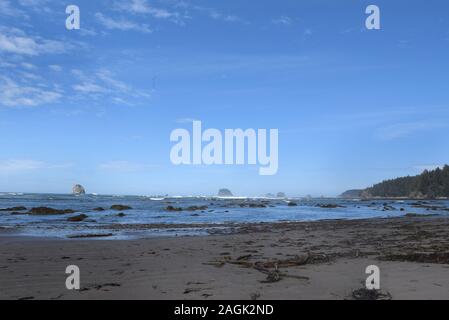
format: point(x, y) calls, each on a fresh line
point(271, 267)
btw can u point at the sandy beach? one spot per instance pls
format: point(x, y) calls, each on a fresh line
point(308, 260)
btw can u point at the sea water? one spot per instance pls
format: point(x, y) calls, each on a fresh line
point(152, 211)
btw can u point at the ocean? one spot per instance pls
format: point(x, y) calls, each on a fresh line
point(149, 216)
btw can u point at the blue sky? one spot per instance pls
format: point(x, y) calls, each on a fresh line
point(96, 106)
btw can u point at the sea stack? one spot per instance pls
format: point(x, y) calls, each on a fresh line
point(78, 189)
point(225, 193)
point(281, 195)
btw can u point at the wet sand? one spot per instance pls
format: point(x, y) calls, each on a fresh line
point(304, 260)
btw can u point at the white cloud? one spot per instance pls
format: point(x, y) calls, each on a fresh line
point(103, 82)
point(88, 32)
point(30, 76)
point(307, 32)
point(216, 15)
point(7, 9)
point(89, 87)
point(19, 166)
point(4, 64)
point(107, 77)
point(28, 66)
point(55, 67)
point(283, 20)
point(125, 166)
point(207, 11)
point(16, 41)
point(122, 24)
point(142, 7)
point(33, 3)
point(37, 5)
point(13, 94)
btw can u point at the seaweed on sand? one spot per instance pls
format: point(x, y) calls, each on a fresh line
point(423, 257)
point(367, 294)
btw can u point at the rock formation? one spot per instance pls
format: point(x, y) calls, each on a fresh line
point(78, 189)
point(281, 195)
point(225, 193)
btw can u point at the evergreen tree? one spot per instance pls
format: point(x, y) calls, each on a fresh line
point(429, 184)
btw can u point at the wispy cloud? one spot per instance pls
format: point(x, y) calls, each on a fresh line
point(143, 7)
point(307, 32)
point(283, 20)
point(401, 130)
point(108, 77)
point(13, 40)
point(89, 87)
point(6, 9)
point(103, 83)
point(212, 13)
point(13, 94)
point(55, 67)
point(12, 166)
point(28, 66)
point(121, 24)
point(125, 166)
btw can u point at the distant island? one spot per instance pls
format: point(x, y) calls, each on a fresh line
point(225, 193)
point(431, 184)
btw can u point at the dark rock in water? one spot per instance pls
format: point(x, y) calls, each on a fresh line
point(417, 215)
point(121, 214)
point(225, 193)
point(252, 205)
point(257, 205)
point(120, 207)
point(292, 204)
point(78, 218)
point(14, 209)
point(195, 208)
point(92, 235)
point(330, 206)
point(16, 213)
point(171, 208)
point(44, 211)
point(98, 209)
point(78, 189)
point(281, 195)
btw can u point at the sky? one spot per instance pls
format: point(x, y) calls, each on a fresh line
point(96, 106)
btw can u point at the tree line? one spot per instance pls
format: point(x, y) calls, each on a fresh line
point(430, 184)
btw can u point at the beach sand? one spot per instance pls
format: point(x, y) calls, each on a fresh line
point(314, 260)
